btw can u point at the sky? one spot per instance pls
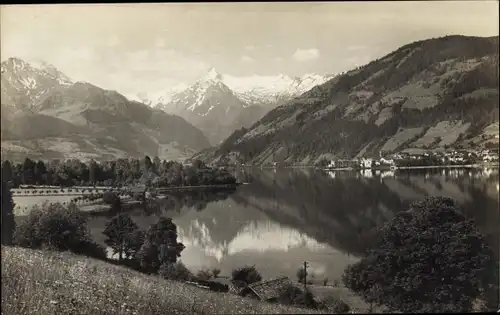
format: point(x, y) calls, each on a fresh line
point(135, 48)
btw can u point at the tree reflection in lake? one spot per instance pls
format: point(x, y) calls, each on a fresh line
point(284, 217)
point(177, 200)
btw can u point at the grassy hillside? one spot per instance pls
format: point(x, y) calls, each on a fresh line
point(432, 94)
point(42, 283)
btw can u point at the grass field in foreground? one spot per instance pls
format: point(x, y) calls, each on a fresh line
point(43, 283)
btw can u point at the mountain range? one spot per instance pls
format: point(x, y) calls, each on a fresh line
point(433, 94)
point(47, 115)
point(220, 104)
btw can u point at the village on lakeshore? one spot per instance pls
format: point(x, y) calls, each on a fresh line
point(458, 158)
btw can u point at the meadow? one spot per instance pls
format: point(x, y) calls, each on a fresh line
point(43, 283)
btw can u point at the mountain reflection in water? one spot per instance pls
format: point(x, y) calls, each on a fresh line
point(284, 217)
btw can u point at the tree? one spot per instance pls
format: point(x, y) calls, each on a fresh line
point(8, 222)
point(39, 171)
point(156, 165)
point(28, 172)
point(148, 164)
point(198, 164)
point(429, 258)
point(119, 232)
point(92, 172)
point(57, 227)
point(215, 272)
point(112, 199)
point(6, 172)
point(160, 246)
point(301, 275)
point(247, 275)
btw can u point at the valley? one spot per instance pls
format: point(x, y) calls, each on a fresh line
point(242, 158)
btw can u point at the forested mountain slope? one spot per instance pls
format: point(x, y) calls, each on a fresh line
point(44, 117)
point(433, 94)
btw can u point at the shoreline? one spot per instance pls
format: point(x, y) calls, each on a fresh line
point(468, 166)
point(199, 187)
point(25, 192)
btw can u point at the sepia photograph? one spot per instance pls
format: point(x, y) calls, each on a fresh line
point(334, 157)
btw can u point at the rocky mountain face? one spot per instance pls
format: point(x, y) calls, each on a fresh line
point(24, 84)
point(220, 104)
point(434, 94)
point(45, 115)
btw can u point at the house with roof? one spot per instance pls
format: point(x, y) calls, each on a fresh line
point(267, 290)
point(226, 282)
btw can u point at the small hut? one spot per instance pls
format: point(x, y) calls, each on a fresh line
point(227, 283)
point(268, 290)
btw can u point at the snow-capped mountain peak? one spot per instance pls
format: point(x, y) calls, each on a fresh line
point(212, 75)
point(255, 89)
point(30, 80)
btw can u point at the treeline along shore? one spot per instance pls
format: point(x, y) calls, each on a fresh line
point(121, 173)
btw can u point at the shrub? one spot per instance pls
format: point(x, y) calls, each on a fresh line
point(289, 294)
point(215, 272)
point(56, 227)
point(427, 259)
point(204, 274)
point(335, 305)
point(247, 275)
point(175, 271)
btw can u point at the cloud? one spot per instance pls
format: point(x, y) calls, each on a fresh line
point(278, 59)
point(250, 47)
point(160, 42)
point(306, 54)
point(246, 59)
point(166, 66)
point(113, 41)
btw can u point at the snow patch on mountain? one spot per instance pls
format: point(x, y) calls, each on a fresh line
point(255, 89)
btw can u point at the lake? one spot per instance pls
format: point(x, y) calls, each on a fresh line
point(285, 217)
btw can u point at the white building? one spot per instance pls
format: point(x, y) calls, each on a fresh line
point(331, 164)
point(366, 163)
point(387, 162)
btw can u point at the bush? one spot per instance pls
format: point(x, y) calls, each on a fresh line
point(56, 227)
point(204, 274)
point(427, 259)
point(335, 305)
point(289, 294)
point(247, 275)
point(215, 272)
point(175, 271)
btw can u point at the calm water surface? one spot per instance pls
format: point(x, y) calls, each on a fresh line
point(285, 217)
